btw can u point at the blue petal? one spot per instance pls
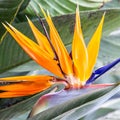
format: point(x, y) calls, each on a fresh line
point(97, 73)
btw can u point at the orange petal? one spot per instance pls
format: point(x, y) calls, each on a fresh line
point(30, 86)
point(25, 86)
point(13, 94)
point(19, 94)
point(93, 48)
point(37, 54)
point(42, 78)
point(79, 50)
point(42, 40)
point(63, 55)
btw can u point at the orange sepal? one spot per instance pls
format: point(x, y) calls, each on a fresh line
point(41, 39)
point(93, 48)
point(63, 55)
point(33, 78)
point(26, 87)
point(37, 54)
point(79, 50)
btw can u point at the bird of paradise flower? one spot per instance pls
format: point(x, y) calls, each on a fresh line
point(74, 70)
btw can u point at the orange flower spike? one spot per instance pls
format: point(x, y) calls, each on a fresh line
point(41, 39)
point(37, 54)
point(93, 48)
point(22, 91)
point(12, 94)
point(79, 50)
point(27, 78)
point(27, 85)
point(63, 55)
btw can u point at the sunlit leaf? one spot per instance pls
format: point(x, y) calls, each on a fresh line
point(62, 7)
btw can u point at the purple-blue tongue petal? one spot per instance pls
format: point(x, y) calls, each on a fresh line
point(100, 71)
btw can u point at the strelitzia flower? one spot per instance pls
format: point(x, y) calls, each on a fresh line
point(75, 70)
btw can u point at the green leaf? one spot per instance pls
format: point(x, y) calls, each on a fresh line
point(78, 107)
point(61, 7)
point(24, 5)
point(21, 16)
point(98, 113)
point(8, 11)
point(108, 107)
point(112, 4)
point(106, 110)
point(64, 24)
